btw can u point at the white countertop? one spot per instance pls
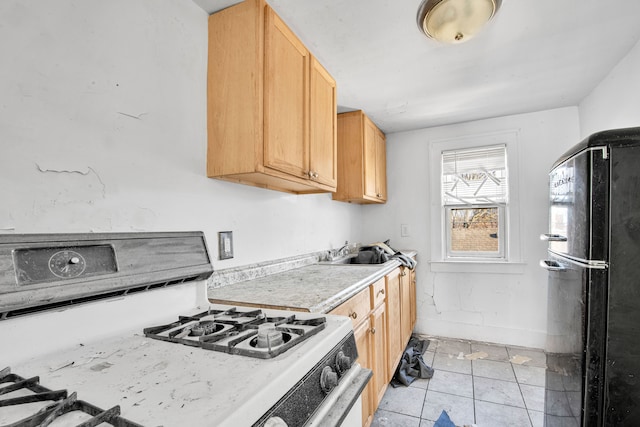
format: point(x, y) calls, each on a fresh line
point(157, 383)
point(317, 288)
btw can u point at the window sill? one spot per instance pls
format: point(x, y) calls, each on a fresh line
point(464, 266)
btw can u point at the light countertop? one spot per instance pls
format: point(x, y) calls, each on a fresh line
point(317, 288)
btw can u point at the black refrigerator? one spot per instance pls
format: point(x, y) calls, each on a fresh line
point(593, 317)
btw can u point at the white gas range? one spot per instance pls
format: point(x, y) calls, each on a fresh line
point(163, 355)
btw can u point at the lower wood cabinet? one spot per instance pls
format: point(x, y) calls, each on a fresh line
point(406, 325)
point(412, 296)
point(394, 319)
point(382, 322)
point(379, 355)
point(363, 342)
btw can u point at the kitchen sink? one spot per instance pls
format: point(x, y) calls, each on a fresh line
point(347, 260)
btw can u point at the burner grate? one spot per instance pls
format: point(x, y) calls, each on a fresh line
point(61, 404)
point(234, 331)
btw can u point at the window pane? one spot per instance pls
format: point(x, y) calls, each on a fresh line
point(474, 230)
point(474, 176)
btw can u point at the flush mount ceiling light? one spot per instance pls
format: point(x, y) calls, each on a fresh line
point(455, 21)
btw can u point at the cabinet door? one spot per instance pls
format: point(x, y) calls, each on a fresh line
point(363, 343)
point(323, 162)
point(379, 350)
point(381, 165)
point(369, 146)
point(412, 295)
point(286, 106)
point(394, 337)
point(405, 305)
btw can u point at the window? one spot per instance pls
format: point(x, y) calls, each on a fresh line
point(474, 197)
point(475, 215)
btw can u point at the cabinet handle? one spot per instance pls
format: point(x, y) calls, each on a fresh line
point(373, 330)
point(313, 175)
point(381, 291)
point(353, 315)
point(404, 273)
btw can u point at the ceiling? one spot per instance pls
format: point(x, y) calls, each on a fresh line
point(535, 55)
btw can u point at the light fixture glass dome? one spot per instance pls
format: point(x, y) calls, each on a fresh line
point(455, 21)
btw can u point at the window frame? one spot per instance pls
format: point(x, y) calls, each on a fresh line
point(511, 249)
point(502, 233)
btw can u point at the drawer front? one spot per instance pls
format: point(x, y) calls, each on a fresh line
point(357, 307)
point(377, 293)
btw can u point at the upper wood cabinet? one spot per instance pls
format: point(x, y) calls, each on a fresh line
point(323, 123)
point(271, 105)
point(362, 160)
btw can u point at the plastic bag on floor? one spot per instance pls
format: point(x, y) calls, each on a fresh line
point(412, 366)
point(444, 420)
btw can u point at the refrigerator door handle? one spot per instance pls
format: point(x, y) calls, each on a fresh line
point(552, 265)
point(553, 238)
point(586, 263)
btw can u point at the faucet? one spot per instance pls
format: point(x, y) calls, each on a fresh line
point(345, 250)
point(338, 253)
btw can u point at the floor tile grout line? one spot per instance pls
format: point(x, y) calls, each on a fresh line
point(451, 394)
point(426, 390)
point(502, 404)
point(473, 393)
point(424, 400)
point(403, 414)
point(520, 389)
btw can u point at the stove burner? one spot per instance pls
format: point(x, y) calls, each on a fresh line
point(205, 327)
point(269, 337)
point(22, 394)
point(246, 332)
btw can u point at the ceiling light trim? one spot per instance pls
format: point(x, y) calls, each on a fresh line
point(455, 21)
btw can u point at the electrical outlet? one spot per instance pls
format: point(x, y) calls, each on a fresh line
point(404, 230)
point(225, 244)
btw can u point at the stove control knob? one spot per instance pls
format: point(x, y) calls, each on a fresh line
point(328, 379)
point(343, 363)
point(275, 422)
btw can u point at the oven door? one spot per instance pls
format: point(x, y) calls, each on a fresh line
point(327, 396)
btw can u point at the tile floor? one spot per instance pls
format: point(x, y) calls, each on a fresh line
point(475, 383)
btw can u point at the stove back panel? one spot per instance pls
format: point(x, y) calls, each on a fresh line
point(41, 271)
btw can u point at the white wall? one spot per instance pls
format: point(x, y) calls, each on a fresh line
point(500, 307)
point(615, 102)
point(103, 128)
